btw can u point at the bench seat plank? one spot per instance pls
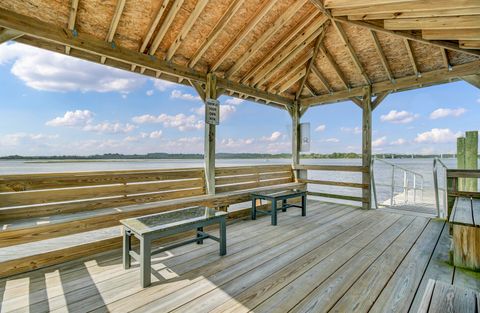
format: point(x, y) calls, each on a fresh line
point(462, 212)
point(441, 297)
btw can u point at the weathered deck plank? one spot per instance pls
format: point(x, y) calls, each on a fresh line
point(338, 259)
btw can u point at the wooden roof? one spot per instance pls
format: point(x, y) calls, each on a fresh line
point(270, 51)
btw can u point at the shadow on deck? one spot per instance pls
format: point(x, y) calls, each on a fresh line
point(338, 258)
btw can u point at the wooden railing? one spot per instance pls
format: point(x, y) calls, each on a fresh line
point(33, 195)
point(456, 179)
point(331, 168)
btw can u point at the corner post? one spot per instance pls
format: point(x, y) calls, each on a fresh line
point(210, 136)
point(295, 114)
point(367, 148)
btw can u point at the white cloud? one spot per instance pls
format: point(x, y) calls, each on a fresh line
point(181, 121)
point(177, 94)
point(234, 101)
point(273, 137)
point(44, 70)
point(398, 142)
point(23, 138)
point(236, 143)
point(107, 127)
point(72, 118)
point(162, 85)
point(399, 117)
point(320, 128)
point(442, 112)
point(437, 135)
point(156, 134)
point(332, 140)
point(355, 130)
point(149, 93)
point(379, 142)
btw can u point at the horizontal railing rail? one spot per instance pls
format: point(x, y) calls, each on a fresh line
point(418, 182)
point(303, 178)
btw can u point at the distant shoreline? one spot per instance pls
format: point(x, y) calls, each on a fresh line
point(167, 156)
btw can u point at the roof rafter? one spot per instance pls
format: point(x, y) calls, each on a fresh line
point(321, 78)
point(91, 47)
point(335, 66)
point(383, 58)
point(294, 33)
point(404, 83)
point(72, 17)
point(413, 61)
point(151, 28)
point(212, 36)
point(114, 24)
point(445, 60)
point(287, 54)
point(310, 64)
point(292, 70)
point(177, 4)
point(186, 28)
point(403, 34)
point(267, 35)
point(266, 6)
point(351, 51)
point(291, 81)
point(9, 34)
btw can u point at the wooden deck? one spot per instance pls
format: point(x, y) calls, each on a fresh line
point(337, 259)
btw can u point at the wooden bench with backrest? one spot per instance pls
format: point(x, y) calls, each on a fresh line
point(442, 297)
point(36, 207)
point(463, 213)
point(465, 220)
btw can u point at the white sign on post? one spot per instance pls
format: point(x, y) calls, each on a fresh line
point(212, 111)
point(305, 137)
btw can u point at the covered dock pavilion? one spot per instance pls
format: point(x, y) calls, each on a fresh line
point(290, 55)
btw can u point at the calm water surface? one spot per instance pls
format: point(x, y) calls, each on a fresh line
point(383, 172)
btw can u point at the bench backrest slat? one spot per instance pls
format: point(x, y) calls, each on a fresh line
point(239, 178)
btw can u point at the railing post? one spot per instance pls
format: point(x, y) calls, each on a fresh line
point(393, 186)
point(367, 148)
point(405, 186)
point(414, 188)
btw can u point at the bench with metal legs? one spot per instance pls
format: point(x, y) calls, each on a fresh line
point(278, 196)
point(153, 227)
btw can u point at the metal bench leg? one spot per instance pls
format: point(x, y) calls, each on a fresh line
point(145, 262)
point(274, 213)
point(127, 246)
point(284, 205)
point(304, 205)
point(223, 237)
point(254, 209)
point(200, 241)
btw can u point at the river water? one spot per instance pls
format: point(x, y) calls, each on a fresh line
point(382, 172)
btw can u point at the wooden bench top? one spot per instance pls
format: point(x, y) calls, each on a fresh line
point(466, 211)
point(441, 297)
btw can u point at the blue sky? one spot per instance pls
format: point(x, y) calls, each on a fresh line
point(52, 104)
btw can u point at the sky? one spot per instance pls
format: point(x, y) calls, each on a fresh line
point(57, 105)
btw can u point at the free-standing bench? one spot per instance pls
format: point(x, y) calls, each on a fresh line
point(150, 227)
point(273, 197)
point(465, 220)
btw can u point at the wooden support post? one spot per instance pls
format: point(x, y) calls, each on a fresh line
point(461, 161)
point(295, 114)
point(367, 148)
point(210, 135)
point(471, 158)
